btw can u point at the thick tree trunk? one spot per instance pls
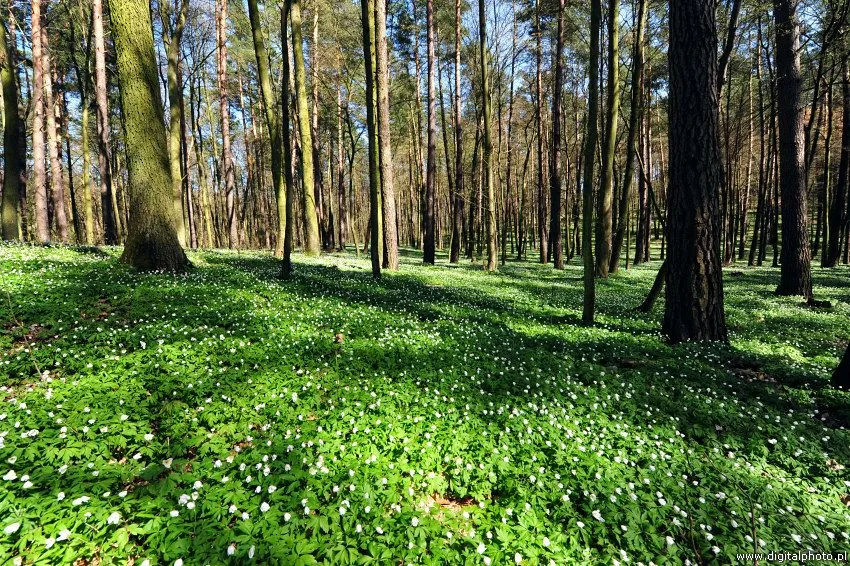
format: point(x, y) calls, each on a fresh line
point(375, 213)
point(382, 80)
point(589, 306)
point(605, 219)
point(555, 236)
point(111, 222)
point(14, 143)
point(694, 298)
point(312, 242)
point(152, 242)
point(796, 274)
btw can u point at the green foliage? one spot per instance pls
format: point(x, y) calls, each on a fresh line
point(439, 416)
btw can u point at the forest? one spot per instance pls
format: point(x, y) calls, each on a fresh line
point(424, 282)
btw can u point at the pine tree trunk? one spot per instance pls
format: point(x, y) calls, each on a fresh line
point(538, 116)
point(555, 236)
point(42, 222)
point(227, 173)
point(694, 298)
point(796, 274)
point(431, 168)
point(605, 218)
point(589, 306)
point(152, 243)
point(635, 115)
point(111, 222)
point(375, 208)
point(286, 143)
point(57, 181)
point(457, 209)
point(382, 76)
point(14, 143)
point(838, 208)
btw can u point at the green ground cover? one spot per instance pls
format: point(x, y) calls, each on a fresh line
point(439, 416)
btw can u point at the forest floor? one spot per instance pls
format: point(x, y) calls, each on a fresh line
point(440, 415)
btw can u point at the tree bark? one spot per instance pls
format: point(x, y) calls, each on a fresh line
point(555, 236)
point(605, 219)
point(286, 143)
point(431, 167)
point(488, 142)
point(694, 298)
point(312, 242)
point(375, 214)
point(538, 116)
point(111, 218)
point(635, 115)
point(227, 172)
point(272, 122)
point(57, 181)
point(14, 143)
point(382, 80)
point(796, 273)
point(589, 306)
point(172, 36)
point(38, 127)
point(152, 243)
point(457, 209)
point(838, 208)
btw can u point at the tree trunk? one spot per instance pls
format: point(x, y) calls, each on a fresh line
point(312, 242)
point(14, 143)
point(838, 209)
point(635, 115)
point(589, 307)
point(375, 213)
point(57, 181)
point(227, 172)
point(841, 375)
point(538, 116)
point(111, 222)
point(555, 237)
point(457, 209)
point(488, 142)
point(272, 122)
point(42, 222)
point(286, 143)
point(431, 167)
point(152, 243)
point(796, 274)
point(172, 35)
point(382, 80)
point(605, 219)
point(694, 298)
